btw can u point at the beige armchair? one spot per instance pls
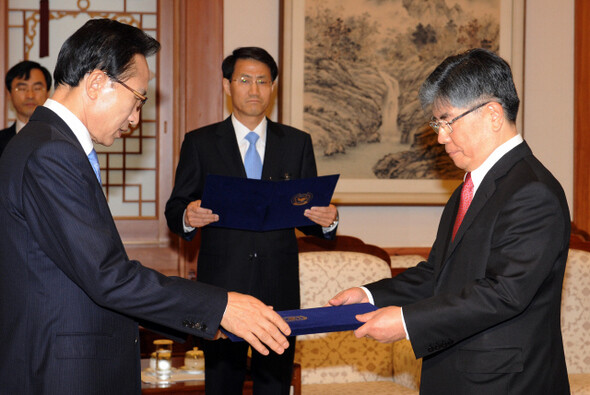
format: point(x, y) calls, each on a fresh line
point(575, 309)
point(339, 363)
point(575, 315)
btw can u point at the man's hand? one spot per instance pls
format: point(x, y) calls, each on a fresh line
point(349, 296)
point(255, 322)
point(324, 216)
point(197, 216)
point(384, 325)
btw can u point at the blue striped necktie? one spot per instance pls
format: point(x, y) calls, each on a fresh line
point(93, 158)
point(252, 161)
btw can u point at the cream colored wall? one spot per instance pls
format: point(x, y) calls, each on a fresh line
point(251, 23)
point(549, 87)
point(547, 109)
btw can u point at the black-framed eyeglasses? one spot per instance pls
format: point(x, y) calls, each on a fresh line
point(142, 99)
point(436, 124)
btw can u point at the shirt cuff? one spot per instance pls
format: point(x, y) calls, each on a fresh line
point(333, 225)
point(404, 322)
point(185, 227)
point(372, 301)
point(369, 295)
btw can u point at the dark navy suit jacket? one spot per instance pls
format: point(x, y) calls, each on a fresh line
point(484, 310)
point(6, 135)
point(69, 295)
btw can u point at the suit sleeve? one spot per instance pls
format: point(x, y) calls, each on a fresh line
point(414, 284)
point(72, 224)
point(187, 188)
point(308, 170)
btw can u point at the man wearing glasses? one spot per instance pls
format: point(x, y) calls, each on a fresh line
point(70, 298)
point(484, 310)
point(262, 264)
point(28, 84)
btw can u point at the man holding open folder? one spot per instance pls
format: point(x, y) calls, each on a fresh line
point(262, 264)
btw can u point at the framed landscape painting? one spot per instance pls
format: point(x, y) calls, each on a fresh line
point(350, 75)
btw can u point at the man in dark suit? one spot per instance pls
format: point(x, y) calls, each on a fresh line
point(28, 84)
point(69, 296)
point(484, 310)
point(262, 264)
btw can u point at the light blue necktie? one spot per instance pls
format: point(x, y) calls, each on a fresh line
point(93, 158)
point(252, 161)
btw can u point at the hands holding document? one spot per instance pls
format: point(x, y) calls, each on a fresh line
point(255, 322)
point(324, 216)
point(384, 325)
point(264, 205)
point(197, 216)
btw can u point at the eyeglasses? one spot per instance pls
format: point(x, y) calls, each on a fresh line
point(437, 124)
point(26, 88)
point(243, 81)
point(142, 99)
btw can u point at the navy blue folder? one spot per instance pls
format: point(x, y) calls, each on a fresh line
point(262, 205)
point(321, 319)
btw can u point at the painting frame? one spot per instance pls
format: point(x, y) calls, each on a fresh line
point(431, 192)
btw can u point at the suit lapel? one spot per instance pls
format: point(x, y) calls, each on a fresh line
point(273, 152)
point(483, 194)
point(229, 150)
point(227, 145)
point(12, 130)
point(485, 190)
point(58, 125)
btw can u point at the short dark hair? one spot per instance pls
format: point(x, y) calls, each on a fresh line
point(101, 44)
point(472, 76)
point(256, 53)
point(23, 70)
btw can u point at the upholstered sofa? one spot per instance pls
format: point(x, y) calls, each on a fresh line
point(575, 315)
point(339, 363)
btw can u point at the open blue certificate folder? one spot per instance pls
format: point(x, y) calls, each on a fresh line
point(261, 205)
point(321, 319)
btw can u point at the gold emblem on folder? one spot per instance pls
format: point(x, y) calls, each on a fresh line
point(295, 318)
point(301, 199)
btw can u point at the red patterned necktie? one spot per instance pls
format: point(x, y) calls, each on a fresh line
point(466, 197)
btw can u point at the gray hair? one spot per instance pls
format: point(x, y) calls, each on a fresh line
point(473, 76)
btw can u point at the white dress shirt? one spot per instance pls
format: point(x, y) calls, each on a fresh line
point(19, 125)
point(242, 131)
point(79, 129)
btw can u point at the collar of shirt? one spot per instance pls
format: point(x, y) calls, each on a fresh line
point(478, 174)
point(80, 131)
point(19, 125)
point(241, 132)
